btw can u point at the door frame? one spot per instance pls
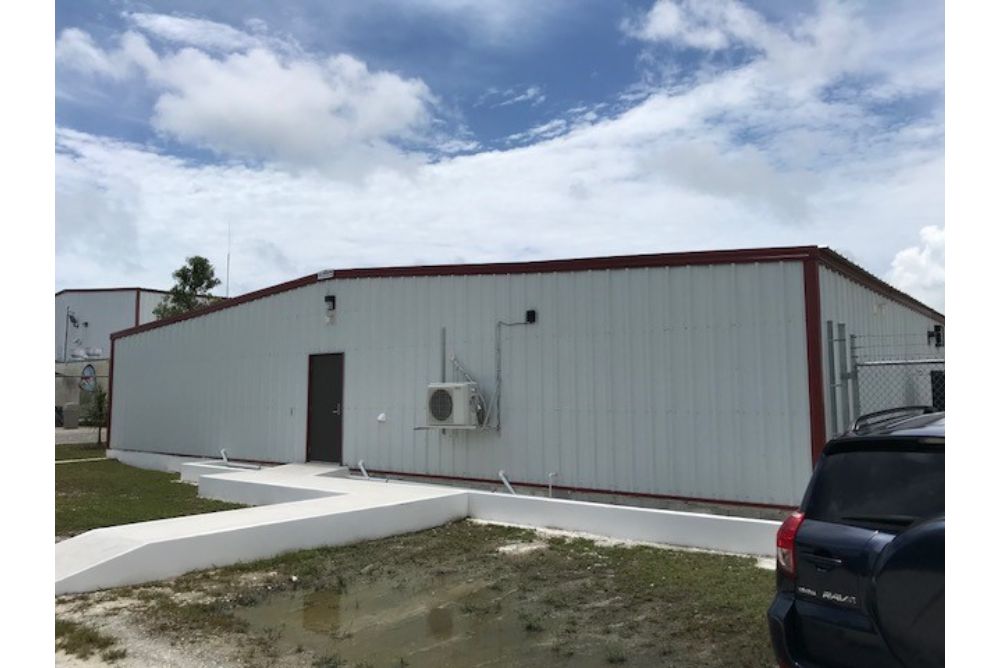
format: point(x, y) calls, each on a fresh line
point(343, 375)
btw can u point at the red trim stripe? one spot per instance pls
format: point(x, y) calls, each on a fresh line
point(219, 305)
point(111, 388)
point(814, 356)
point(584, 490)
point(843, 266)
point(738, 256)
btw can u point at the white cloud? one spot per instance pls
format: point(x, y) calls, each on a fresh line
point(77, 51)
point(496, 97)
point(546, 130)
point(301, 112)
point(711, 25)
point(758, 154)
point(498, 22)
point(919, 270)
point(333, 113)
point(532, 95)
point(195, 32)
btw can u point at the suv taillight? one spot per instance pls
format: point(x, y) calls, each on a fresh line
point(786, 542)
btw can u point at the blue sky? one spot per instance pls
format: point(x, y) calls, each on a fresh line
point(340, 134)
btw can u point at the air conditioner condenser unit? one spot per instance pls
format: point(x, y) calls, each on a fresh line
point(452, 405)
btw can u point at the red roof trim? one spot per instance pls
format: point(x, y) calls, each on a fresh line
point(219, 305)
point(814, 356)
point(840, 264)
point(65, 290)
point(741, 256)
point(738, 256)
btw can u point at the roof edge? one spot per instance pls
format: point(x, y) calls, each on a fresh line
point(219, 305)
point(824, 255)
point(840, 264)
point(683, 258)
point(132, 289)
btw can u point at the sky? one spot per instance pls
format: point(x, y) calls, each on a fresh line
point(313, 134)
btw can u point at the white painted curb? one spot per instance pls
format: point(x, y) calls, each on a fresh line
point(669, 527)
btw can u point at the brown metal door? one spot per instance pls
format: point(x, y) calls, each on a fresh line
point(325, 430)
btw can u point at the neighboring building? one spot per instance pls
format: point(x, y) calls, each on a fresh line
point(697, 376)
point(86, 318)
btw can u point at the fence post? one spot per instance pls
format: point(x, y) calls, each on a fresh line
point(845, 397)
point(856, 396)
point(832, 374)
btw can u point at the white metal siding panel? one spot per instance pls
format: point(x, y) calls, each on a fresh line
point(867, 313)
point(104, 312)
point(148, 301)
point(687, 381)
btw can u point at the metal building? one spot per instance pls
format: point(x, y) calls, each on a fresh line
point(86, 318)
point(698, 376)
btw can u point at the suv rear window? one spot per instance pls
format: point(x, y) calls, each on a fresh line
point(884, 489)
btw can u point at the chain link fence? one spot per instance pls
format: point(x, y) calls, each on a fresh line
point(869, 373)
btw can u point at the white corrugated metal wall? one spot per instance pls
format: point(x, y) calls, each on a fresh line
point(148, 301)
point(899, 331)
point(104, 311)
point(687, 381)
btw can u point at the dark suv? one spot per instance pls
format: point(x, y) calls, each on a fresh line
point(860, 576)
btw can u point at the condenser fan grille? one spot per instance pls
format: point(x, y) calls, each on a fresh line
point(441, 405)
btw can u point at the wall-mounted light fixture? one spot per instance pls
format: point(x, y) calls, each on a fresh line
point(936, 336)
point(331, 306)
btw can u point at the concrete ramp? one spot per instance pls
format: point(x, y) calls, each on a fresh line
point(301, 506)
point(147, 551)
point(292, 482)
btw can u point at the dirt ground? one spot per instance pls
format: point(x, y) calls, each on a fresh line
point(466, 594)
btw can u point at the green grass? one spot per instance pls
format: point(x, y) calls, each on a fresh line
point(79, 451)
point(83, 641)
point(90, 495)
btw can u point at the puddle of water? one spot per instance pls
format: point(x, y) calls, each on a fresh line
point(446, 622)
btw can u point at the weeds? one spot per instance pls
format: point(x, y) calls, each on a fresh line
point(83, 641)
point(631, 605)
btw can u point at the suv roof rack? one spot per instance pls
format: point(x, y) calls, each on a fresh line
point(879, 418)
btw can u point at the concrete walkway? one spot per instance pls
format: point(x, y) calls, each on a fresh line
point(301, 506)
point(346, 511)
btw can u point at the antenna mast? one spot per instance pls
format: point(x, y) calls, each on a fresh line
point(229, 246)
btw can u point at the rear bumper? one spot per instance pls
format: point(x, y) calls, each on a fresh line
point(780, 622)
point(806, 635)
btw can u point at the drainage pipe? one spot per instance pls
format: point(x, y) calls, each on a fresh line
point(444, 346)
point(364, 471)
point(506, 483)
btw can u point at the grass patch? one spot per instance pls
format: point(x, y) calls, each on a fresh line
point(90, 495)
point(84, 641)
point(79, 451)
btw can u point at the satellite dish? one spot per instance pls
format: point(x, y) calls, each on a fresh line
point(88, 378)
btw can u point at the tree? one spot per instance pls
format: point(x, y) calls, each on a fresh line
point(193, 282)
point(96, 411)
